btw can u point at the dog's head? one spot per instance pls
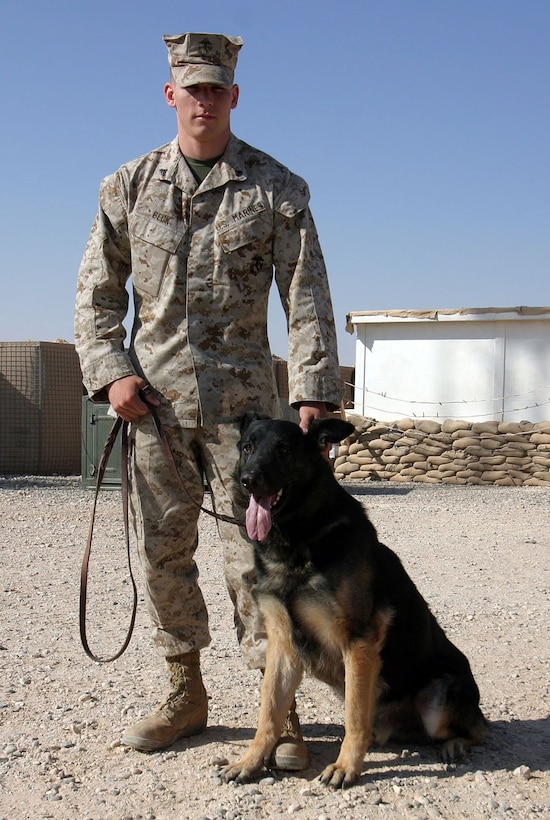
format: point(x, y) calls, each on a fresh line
point(278, 464)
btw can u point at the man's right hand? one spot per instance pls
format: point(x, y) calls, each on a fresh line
point(125, 400)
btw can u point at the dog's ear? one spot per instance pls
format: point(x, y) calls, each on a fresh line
point(330, 431)
point(248, 417)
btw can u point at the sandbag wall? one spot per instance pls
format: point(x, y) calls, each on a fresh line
point(453, 452)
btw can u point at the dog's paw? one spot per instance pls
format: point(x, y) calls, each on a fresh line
point(241, 771)
point(454, 750)
point(338, 777)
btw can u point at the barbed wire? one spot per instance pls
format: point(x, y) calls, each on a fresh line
point(461, 402)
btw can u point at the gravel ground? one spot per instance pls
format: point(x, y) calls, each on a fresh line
point(478, 554)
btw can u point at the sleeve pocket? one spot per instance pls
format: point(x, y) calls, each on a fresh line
point(294, 199)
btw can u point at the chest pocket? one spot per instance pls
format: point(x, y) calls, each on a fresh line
point(153, 245)
point(251, 230)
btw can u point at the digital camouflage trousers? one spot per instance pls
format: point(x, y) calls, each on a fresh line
point(166, 525)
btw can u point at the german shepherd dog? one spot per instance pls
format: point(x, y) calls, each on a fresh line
point(339, 604)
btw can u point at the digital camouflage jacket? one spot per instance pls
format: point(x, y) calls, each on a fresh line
point(202, 259)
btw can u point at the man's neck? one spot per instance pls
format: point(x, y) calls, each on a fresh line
point(194, 149)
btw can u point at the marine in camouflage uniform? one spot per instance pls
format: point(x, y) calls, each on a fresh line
point(202, 256)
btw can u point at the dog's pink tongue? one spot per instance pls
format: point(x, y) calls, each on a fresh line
point(258, 518)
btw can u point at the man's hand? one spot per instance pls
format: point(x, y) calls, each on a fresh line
point(310, 410)
point(125, 400)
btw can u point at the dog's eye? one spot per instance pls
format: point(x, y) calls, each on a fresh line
point(283, 449)
point(247, 448)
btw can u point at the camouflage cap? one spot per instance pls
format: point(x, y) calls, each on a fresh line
point(202, 58)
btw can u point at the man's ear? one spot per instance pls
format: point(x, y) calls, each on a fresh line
point(330, 431)
point(169, 95)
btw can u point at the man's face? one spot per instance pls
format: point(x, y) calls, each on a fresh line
point(203, 110)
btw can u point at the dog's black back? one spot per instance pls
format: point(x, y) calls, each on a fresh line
point(322, 554)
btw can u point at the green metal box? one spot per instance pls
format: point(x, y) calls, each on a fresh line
point(96, 426)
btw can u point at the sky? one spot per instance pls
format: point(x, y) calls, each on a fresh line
point(421, 126)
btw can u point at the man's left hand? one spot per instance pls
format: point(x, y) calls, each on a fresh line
point(309, 411)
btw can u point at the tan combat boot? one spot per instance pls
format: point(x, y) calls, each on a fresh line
point(290, 752)
point(182, 714)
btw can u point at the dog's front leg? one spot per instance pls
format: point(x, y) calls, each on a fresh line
point(362, 666)
point(283, 672)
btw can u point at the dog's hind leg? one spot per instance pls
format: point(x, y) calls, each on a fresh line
point(451, 716)
point(362, 667)
point(283, 673)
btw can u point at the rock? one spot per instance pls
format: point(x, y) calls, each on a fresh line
point(522, 771)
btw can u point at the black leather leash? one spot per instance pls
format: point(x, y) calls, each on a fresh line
point(122, 426)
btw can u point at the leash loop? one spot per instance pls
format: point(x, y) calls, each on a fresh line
point(111, 438)
point(122, 426)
